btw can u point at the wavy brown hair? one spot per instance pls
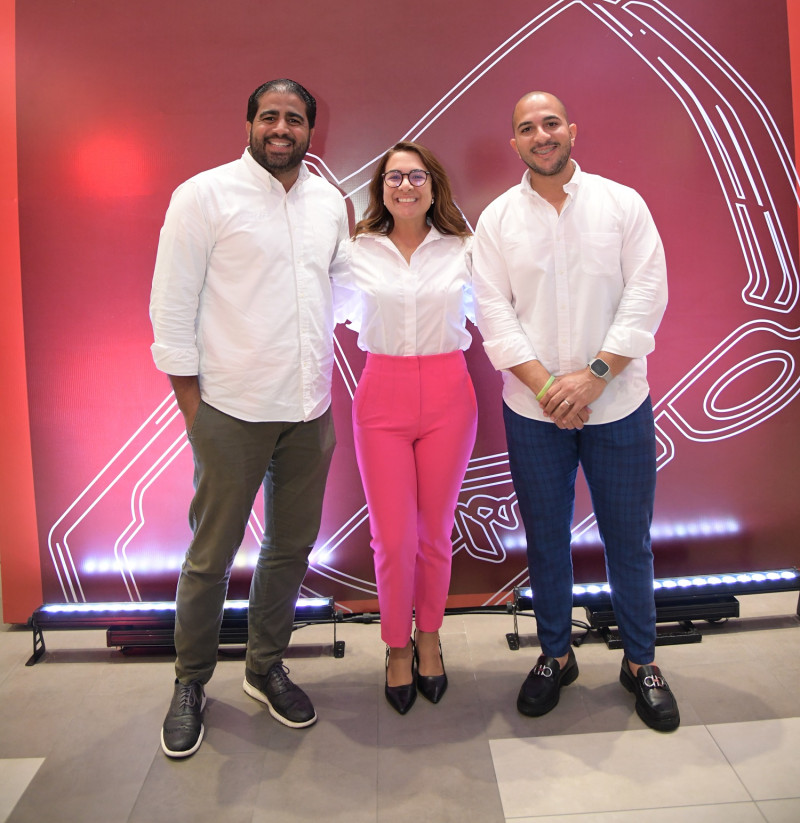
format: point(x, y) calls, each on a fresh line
point(443, 213)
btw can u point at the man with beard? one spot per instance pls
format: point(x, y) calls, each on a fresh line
point(570, 283)
point(242, 316)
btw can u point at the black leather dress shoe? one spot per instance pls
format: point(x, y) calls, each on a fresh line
point(655, 703)
point(540, 691)
point(432, 686)
point(182, 732)
point(401, 698)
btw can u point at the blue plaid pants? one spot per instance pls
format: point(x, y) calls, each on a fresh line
point(619, 462)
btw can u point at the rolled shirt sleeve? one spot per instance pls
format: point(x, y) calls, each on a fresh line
point(644, 297)
point(504, 340)
point(184, 246)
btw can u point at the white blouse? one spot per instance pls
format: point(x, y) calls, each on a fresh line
point(407, 309)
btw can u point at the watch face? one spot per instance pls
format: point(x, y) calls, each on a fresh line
point(599, 367)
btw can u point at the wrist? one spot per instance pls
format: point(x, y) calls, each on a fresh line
point(600, 369)
point(543, 391)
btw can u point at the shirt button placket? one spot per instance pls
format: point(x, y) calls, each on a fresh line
point(562, 296)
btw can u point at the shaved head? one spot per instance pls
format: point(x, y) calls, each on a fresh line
point(550, 99)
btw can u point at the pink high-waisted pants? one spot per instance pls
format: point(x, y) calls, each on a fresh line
point(414, 423)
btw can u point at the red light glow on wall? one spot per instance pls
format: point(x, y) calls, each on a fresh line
point(110, 165)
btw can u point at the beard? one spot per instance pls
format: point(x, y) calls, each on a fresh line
point(557, 165)
point(278, 162)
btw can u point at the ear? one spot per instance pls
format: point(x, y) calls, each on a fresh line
point(573, 130)
point(248, 128)
point(513, 143)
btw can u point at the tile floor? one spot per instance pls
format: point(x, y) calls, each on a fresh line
point(79, 734)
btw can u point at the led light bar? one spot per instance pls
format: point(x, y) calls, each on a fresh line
point(124, 607)
point(135, 625)
point(777, 580)
point(679, 600)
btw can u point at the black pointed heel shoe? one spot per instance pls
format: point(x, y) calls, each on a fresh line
point(401, 698)
point(432, 686)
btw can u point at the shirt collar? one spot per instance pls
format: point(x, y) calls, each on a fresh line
point(265, 177)
point(570, 187)
point(383, 239)
point(432, 235)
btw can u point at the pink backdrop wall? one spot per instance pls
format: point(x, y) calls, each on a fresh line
point(116, 104)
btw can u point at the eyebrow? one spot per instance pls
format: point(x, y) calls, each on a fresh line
point(290, 113)
point(546, 119)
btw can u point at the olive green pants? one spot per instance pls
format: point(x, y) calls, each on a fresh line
point(233, 459)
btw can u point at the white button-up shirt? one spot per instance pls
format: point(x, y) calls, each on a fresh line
point(241, 293)
point(559, 288)
point(408, 308)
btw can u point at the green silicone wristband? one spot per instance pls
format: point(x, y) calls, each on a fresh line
point(546, 386)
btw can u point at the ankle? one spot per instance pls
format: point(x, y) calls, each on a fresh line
point(562, 661)
point(427, 641)
point(399, 666)
point(634, 667)
point(429, 654)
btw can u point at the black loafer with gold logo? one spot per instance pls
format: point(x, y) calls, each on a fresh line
point(655, 702)
point(540, 691)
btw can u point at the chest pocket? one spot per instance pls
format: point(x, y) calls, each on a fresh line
point(600, 254)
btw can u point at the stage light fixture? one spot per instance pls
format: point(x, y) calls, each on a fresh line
point(152, 624)
point(679, 600)
point(734, 583)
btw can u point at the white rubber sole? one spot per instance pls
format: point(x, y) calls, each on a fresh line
point(188, 752)
point(253, 692)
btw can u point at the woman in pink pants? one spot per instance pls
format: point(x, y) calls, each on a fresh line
point(414, 411)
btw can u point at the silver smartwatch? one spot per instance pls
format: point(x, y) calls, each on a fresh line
point(599, 368)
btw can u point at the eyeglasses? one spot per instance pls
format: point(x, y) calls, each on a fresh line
point(416, 177)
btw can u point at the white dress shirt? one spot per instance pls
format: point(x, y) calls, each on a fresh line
point(408, 308)
point(241, 293)
point(559, 288)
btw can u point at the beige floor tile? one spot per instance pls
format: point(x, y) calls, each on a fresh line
point(328, 774)
point(444, 783)
point(722, 813)
point(96, 766)
point(15, 775)
point(781, 811)
point(205, 788)
point(764, 755)
point(612, 771)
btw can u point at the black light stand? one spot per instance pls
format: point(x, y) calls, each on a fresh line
point(679, 602)
point(140, 625)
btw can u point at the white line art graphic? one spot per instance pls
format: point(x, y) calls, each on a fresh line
point(751, 166)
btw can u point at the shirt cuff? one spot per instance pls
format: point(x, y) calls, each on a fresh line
point(180, 362)
point(629, 342)
point(503, 354)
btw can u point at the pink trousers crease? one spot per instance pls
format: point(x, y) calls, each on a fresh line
point(414, 423)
